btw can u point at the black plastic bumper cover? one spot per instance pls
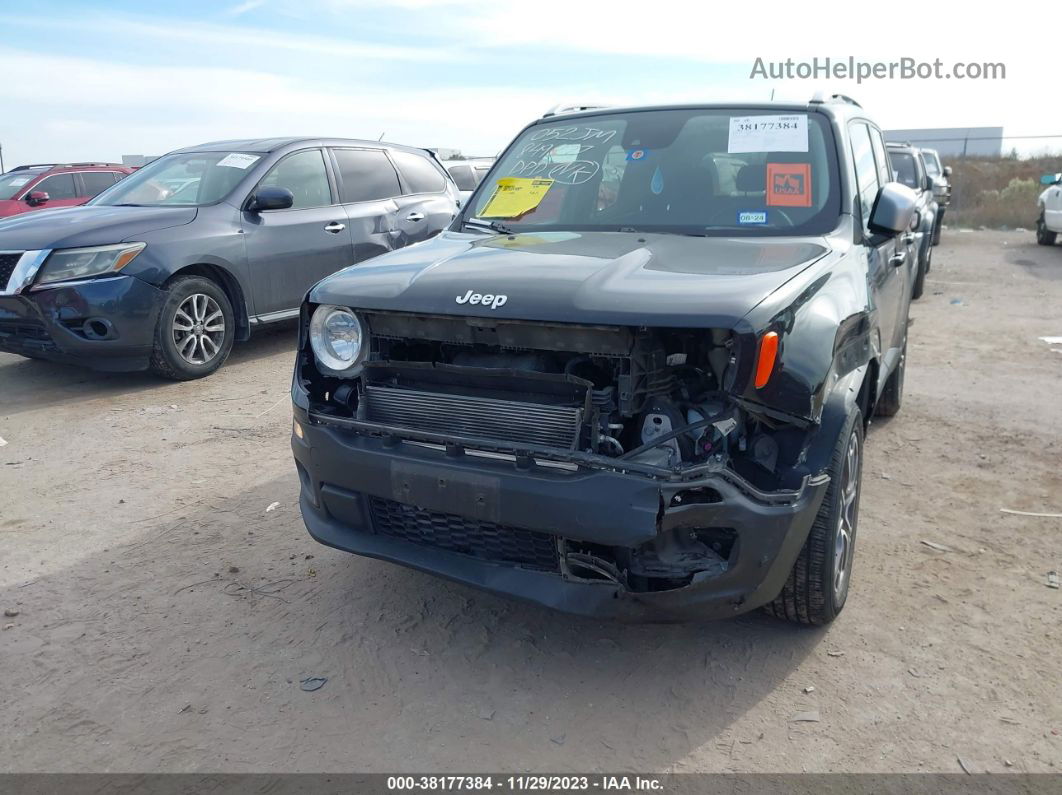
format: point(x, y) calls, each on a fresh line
point(340, 470)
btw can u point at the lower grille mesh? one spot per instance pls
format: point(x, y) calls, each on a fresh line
point(483, 540)
point(8, 262)
point(482, 418)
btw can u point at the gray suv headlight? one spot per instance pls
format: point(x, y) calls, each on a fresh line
point(83, 263)
point(336, 338)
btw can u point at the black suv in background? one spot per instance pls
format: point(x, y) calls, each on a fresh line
point(633, 377)
point(167, 268)
point(908, 168)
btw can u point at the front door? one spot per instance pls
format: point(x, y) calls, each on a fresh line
point(887, 274)
point(288, 251)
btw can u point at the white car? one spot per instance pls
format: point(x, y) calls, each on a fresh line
point(1049, 219)
point(468, 174)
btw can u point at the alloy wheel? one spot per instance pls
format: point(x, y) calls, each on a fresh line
point(198, 328)
point(844, 543)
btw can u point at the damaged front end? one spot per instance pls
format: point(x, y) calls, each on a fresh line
point(597, 469)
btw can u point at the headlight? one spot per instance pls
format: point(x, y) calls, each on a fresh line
point(83, 263)
point(336, 337)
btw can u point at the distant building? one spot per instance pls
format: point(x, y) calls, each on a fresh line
point(136, 161)
point(954, 141)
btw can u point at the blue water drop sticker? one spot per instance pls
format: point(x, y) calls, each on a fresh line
point(657, 183)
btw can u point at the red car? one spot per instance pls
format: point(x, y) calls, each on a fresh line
point(45, 186)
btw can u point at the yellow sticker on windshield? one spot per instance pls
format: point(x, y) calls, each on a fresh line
point(515, 196)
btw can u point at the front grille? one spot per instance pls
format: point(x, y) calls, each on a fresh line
point(23, 330)
point(483, 540)
point(8, 261)
point(478, 417)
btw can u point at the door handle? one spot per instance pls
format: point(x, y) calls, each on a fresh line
point(908, 239)
point(898, 258)
point(335, 227)
point(415, 217)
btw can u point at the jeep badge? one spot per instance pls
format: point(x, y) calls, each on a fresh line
point(493, 301)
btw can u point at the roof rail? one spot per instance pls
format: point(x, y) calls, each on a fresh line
point(28, 166)
point(564, 107)
point(820, 98)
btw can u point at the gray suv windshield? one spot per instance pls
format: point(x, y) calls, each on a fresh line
point(688, 171)
point(181, 180)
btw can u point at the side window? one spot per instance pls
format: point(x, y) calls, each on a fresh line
point(464, 177)
point(59, 186)
point(366, 175)
point(866, 170)
point(96, 181)
point(420, 174)
point(884, 168)
point(303, 173)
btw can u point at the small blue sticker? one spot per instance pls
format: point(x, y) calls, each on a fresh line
point(634, 155)
point(753, 217)
point(656, 185)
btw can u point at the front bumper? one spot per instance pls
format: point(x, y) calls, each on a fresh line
point(105, 324)
point(344, 474)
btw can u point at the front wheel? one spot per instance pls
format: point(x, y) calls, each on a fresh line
point(817, 587)
point(1043, 236)
point(195, 330)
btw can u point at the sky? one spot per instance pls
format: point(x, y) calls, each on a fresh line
point(84, 80)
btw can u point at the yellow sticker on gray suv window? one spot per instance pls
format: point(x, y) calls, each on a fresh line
point(768, 134)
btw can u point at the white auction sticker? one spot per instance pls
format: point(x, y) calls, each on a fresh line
point(768, 134)
point(14, 183)
point(238, 160)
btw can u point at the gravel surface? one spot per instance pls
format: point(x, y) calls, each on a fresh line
point(157, 617)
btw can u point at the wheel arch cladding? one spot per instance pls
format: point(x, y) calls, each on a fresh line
point(229, 285)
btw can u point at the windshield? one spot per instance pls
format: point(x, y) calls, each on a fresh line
point(696, 171)
point(904, 169)
point(12, 184)
point(183, 180)
point(932, 163)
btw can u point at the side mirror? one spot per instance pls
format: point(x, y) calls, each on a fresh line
point(947, 171)
point(930, 183)
point(1050, 179)
point(271, 199)
point(893, 209)
point(36, 198)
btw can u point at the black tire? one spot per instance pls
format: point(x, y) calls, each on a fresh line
point(812, 594)
point(919, 285)
point(1043, 237)
point(891, 398)
point(937, 224)
point(167, 359)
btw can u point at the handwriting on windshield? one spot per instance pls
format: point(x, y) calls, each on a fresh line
point(554, 153)
point(573, 172)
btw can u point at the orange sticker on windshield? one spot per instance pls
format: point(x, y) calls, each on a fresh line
point(789, 184)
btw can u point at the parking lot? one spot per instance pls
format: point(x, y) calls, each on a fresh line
point(165, 601)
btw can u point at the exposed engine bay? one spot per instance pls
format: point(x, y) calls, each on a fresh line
point(648, 396)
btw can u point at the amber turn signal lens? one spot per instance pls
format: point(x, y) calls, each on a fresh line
point(765, 360)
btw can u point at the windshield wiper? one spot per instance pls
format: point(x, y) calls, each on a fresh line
point(125, 204)
point(496, 226)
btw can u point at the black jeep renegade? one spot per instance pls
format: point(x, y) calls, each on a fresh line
point(633, 377)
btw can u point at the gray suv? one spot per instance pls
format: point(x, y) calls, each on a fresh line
point(909, 168)
point(166, 269)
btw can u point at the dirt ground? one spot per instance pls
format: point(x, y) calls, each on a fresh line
point(166, 615)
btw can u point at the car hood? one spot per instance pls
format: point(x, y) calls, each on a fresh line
point(9, 207)
point(615, 278)
point(72, 227)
